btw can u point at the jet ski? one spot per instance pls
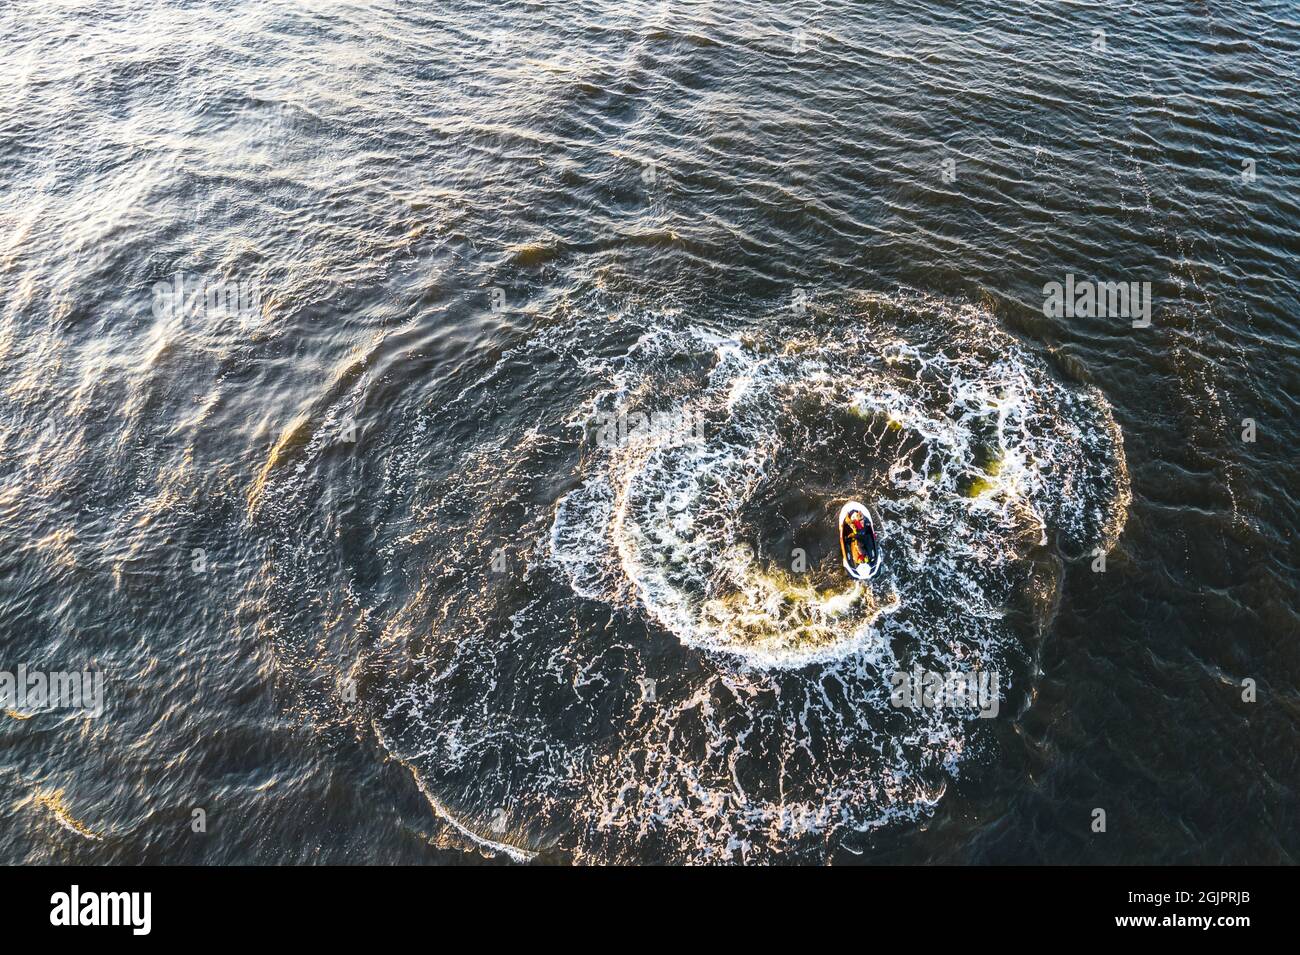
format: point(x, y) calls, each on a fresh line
point(861, 552)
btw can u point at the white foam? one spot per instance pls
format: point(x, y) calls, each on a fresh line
point(1001, 438)
point(772, 731)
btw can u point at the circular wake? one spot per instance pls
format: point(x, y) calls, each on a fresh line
point(719, 514)
point(605, 613)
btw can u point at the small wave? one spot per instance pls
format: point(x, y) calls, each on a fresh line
point(53, 801)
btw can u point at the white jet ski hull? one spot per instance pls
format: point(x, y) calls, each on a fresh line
point(867, 569)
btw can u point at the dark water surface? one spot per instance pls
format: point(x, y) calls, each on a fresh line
point(365, 584)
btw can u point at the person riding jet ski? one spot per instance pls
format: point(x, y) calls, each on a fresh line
point(861, 538)
point(860, 550)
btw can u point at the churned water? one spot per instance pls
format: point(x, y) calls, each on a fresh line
point(429, 421)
